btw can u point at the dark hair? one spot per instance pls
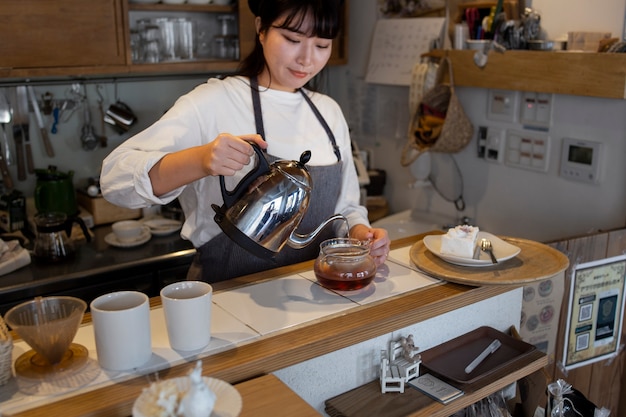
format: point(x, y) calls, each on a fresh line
point(325, 13)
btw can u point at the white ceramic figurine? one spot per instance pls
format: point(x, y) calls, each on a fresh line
point(199, 400)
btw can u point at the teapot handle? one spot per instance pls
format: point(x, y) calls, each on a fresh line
point(82, 225)
point(262, 167)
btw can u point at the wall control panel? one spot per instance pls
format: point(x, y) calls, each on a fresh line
point(527, 150)
point(502, 105)
point(536, 109)
point(581, 160)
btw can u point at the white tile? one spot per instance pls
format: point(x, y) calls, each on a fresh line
point(391, 279)
point(402, 256)
point(281, 303)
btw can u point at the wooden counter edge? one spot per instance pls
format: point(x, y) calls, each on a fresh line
point(269, 396)
point(277, 351)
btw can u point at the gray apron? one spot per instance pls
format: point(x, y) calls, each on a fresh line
point(221, 259)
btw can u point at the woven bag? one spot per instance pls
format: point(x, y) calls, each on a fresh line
point(6, 348)
point(439, 124)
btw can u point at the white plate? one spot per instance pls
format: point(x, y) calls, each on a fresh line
point(228, 401)
point(163, 227)
point(145, 1)
point(501, 249)
point(112, 240)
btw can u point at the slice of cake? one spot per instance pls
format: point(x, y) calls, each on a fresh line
point(460, 241)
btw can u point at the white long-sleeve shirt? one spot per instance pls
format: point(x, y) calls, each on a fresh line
point(225, 106)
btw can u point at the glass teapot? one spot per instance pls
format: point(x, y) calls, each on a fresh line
point(53, 241)
point(344, 264)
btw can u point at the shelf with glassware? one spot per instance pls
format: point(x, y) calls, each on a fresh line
point(182, 37)
point(220, 36)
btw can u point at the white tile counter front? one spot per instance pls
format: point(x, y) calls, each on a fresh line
point(251, 312)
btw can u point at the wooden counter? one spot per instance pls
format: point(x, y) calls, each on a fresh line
point(292, 346)
point(269, 396)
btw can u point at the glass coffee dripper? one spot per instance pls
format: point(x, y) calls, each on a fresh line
point(48, 325)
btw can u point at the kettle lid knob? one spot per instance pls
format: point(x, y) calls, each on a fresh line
point(305, 157)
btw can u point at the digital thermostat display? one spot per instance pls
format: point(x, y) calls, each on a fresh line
point(581, 160)
point(580, 154)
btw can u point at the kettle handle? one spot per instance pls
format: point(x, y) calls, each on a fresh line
point(262, 167)
point(82, 225)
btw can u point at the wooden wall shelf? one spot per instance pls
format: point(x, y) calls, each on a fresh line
point(574, 73)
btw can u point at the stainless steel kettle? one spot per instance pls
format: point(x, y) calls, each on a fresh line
point(261, 214)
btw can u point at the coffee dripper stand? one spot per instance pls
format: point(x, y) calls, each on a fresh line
point(48, 325)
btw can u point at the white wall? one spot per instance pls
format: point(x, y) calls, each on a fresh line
point(501, 199)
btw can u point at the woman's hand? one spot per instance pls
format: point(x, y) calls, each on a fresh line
point(225, 155)
point(379, 248)
point(228, 154)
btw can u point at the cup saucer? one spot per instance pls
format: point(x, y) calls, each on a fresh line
point(145, 236)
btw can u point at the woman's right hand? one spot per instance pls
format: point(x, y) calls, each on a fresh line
point(228, 154)
point(225, 155)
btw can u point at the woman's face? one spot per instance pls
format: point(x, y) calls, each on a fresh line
point(292, 57)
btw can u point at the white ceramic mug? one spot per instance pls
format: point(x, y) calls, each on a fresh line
point(187, 309)
point(121, 323)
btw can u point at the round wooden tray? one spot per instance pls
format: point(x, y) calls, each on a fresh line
point(535, 262)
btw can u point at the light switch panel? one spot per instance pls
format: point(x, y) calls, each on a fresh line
point(536, 109)
point(502, 105)
point(527, 150)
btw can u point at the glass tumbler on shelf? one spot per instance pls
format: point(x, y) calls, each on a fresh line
point(202, 42)
point(184, 42)
point(167, 38)
point(135, 46)
point(150, 35)
point(226, 43)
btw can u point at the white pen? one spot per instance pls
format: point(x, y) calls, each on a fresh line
point(488, 350)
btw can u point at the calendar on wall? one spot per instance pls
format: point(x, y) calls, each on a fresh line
point(398, 45)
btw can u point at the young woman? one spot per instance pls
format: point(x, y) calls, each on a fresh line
point(207, 134)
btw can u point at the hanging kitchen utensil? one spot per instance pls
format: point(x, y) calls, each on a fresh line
point(120, 116)
point(88, 137)
point(20, 131)
point(42, 126)
point(447, 179)
point(6, 113)
point(103, 136)
point(5, 117)
point(261, 214)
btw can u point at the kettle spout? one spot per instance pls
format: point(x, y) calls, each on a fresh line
point(298, 241)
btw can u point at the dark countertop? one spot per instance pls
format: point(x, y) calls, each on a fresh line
point(98, 267)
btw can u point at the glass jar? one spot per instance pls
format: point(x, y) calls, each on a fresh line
point(344, 264)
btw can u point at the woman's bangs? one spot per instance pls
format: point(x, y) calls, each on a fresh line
point(326, 24)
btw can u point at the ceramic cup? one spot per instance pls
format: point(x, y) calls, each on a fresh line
point(127, 230)
point(187, 309)
point(121, 323)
